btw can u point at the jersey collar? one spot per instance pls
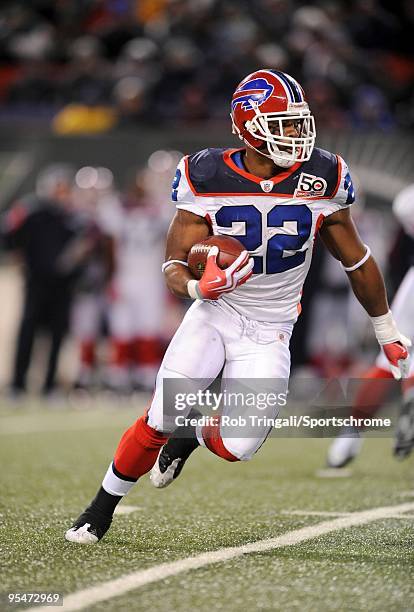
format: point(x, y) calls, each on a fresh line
point(251, 177)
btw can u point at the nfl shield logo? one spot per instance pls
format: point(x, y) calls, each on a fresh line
point(266, 186)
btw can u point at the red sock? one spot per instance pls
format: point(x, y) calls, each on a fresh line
point(87, 352)
point(372, 392)
point(120, 352)
point(147, 351)
point(212, 438)
point(138, 449)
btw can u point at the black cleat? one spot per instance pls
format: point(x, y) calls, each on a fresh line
point(89, 528)
point(174, 454)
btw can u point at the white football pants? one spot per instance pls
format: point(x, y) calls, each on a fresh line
point(213, 336)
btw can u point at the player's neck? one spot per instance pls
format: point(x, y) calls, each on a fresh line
point(259, 165)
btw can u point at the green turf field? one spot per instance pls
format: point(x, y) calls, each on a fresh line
point(53, 461)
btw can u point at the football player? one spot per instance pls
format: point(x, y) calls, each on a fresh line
point(136, 308)
point(92, 195)
point(376, 388)
point(274, 194)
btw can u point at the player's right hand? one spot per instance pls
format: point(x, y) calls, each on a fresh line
point(216, 281)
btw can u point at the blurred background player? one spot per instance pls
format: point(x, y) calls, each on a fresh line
point(50, 240)
point(94, 197)
point(137, 293)
point(377, 385)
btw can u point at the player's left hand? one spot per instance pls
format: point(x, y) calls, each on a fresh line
point(398, 357)
point(393, 343)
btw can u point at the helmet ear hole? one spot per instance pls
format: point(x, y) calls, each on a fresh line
point(248, 134)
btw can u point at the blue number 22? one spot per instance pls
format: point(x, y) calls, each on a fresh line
point(290, 238)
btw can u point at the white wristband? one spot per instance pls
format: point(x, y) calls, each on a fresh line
point(172, 261)
point(359, 263)
point(385, 328)
point(193, 291)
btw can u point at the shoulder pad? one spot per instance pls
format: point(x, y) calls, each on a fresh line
point(325, 164)
point(202, 166)
point(325, 157)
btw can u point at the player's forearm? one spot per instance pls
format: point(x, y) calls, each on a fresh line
point(177, 277)
point(368, 286)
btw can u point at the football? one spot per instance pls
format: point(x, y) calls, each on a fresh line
point(229, 250)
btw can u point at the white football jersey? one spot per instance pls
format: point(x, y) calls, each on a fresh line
point(275, 219)
point(139, 235)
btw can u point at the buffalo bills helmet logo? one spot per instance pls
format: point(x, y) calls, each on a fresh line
point(258, 90)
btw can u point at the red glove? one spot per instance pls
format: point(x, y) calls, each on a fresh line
point(216, 281)
point(393, 343)
point(398, 356)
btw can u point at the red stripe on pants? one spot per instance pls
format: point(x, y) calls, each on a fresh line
point(212, 438)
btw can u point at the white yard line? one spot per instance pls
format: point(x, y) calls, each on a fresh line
point(126, 509)
point(88, 597)
point(315, 513)
point(333, 473)
point(403, 516)
point(333, 514)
